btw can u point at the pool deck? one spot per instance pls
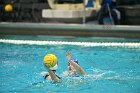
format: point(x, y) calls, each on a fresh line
point(82, 30)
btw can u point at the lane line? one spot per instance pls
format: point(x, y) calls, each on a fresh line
point(86, 44)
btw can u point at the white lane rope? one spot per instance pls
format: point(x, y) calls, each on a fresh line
point(86, 44)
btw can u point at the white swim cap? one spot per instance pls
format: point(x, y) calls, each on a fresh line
point(54, 68)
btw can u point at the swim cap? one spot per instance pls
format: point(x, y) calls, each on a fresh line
point(75, 60)
point(50, 60)
point(54, 68)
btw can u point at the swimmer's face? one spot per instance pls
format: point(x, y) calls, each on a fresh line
point(71, 70)
point(70, 67)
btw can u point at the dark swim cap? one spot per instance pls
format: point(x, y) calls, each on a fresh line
point(75, 60)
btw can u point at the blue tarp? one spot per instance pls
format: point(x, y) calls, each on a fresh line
point(89, 4)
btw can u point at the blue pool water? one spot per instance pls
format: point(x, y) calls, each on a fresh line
point(109, 69)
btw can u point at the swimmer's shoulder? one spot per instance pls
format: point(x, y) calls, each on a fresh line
point(47, 76)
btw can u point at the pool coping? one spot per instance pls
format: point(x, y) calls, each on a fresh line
point(81, 30)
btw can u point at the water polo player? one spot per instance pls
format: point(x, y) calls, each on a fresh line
point(74, 68)
point(51, 63)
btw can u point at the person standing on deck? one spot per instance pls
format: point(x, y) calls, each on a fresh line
point(108, 8)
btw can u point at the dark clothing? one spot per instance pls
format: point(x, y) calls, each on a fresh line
point(45, 77)
point(111, 4)
point(102, 14)
point(107, 7)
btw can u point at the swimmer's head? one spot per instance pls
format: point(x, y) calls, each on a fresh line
point(74, 60)
point(71, 67)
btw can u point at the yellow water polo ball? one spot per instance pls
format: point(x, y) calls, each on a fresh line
point(50, 60)
point(8, 8)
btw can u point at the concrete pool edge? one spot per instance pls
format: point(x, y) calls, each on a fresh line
point(83, 30)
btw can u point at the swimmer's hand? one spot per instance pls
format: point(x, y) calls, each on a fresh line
point(68, 56)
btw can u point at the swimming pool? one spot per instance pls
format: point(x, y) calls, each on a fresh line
point(112, 65)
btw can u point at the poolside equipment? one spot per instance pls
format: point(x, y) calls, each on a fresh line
point(8, 8)
point(50, 61)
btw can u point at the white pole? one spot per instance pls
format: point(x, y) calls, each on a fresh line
point(112, 21)
point(84, 12)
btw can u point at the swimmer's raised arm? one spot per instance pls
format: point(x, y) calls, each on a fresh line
point(68, 56)
point(75, 65)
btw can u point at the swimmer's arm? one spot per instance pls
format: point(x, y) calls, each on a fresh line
point(75, 65)
point(53, 76)
point(78, 68)
point(68, 56)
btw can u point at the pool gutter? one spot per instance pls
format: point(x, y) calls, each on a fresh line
point(82, 30)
